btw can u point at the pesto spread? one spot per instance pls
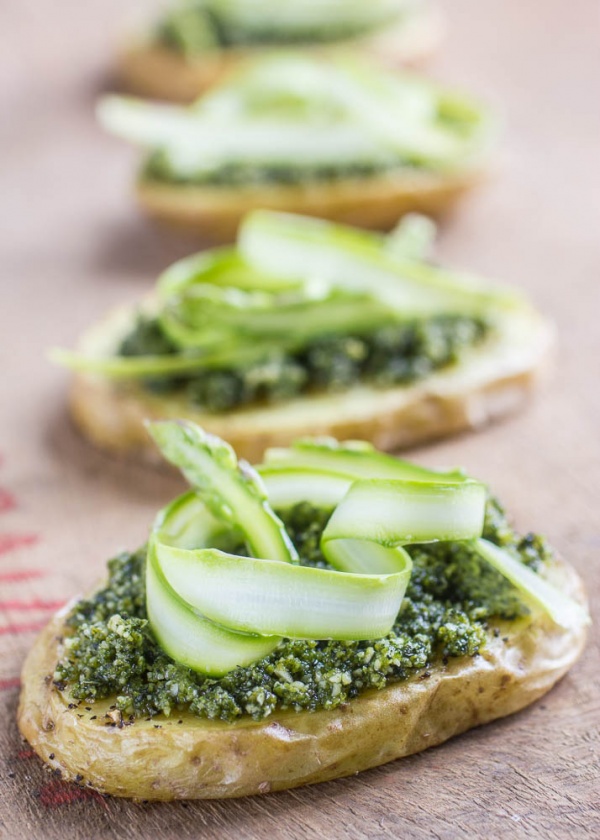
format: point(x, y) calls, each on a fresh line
point(193, 28)
point(451, 602)
point(391, 355)
point(158, 168)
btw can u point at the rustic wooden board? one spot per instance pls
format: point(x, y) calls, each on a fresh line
point(73, 245)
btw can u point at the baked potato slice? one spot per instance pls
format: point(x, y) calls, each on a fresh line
point(490, 381)
point(187, 757)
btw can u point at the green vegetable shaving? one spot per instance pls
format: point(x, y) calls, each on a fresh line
point(267, 594)
point(294, 118)
point(300, 307)
point(196, 27)
point(198, 622)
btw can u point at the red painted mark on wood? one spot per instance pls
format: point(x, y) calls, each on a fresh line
point(8, 542)
point(54, 794)
point(35, 604)
point(28, 627)
point(25, 754)
point(24, 574)
point(9, 682)
point(7, 501)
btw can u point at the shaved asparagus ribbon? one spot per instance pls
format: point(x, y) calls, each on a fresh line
point(295, 110)
point(289, 281)
point(212, 609)
point(331, 471)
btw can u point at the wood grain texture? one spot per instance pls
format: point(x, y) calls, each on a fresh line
point(73, 246)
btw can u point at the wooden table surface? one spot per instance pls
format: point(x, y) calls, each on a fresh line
point(73, 245)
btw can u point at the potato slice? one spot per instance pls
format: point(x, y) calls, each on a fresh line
point(187, 757)
point(490, 381)
point(375, 203)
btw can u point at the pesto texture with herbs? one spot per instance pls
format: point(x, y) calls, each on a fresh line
point(451, 599)
point(392, 355)
point(300, 306)
point(158, 168)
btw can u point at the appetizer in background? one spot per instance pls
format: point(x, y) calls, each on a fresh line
point(307, 328)
point(339, 140)
point(195, 43)
point(340, 610)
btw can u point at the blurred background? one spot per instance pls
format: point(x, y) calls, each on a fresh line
point(73, 245)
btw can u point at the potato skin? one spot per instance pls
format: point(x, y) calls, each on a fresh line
point(148, 69)
point(199, 759)
point(493, 381)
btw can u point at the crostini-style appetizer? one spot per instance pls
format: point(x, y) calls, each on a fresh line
point(336, 610)
point(195, 44)
point(309, 328)
point(340, 140)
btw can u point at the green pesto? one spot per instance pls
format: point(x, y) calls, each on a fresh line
point(451, 598)
point(192, 29)
point(392, 355)
point(157, 168)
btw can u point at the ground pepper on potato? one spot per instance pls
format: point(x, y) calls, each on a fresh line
point(450, 599)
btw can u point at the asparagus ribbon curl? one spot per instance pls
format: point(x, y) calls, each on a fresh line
point(224, 583)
